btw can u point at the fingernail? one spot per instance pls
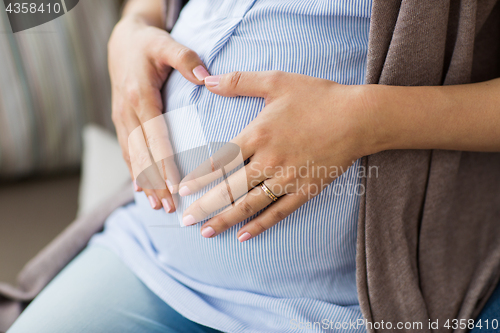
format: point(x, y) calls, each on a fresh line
point(152, 201)
point(243, 238)
point(208, 232)
point(200, 72)
point(184, 191)
point(136, 188)
point(170, 187)
point(166, 205)
point(188, 220)
point(212, 81)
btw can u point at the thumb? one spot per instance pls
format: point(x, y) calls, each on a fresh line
point(253, 84)
point(185, 60)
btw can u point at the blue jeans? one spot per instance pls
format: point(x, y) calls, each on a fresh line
point(96, 293)
point(490, 315)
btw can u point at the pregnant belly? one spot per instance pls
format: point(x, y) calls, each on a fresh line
point(316, 244)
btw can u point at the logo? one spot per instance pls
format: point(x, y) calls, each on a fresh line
point(26, 15)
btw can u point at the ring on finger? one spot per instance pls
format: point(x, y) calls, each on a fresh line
point(268, 192)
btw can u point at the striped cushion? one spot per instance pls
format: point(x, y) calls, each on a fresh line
point(53, 80)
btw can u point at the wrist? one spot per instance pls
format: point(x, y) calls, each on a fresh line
point(374, 118)
point(137, 19)
point(149, 13)
point(404, 117)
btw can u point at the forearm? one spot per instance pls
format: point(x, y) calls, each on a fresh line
point(150, 11)
point(461, 117)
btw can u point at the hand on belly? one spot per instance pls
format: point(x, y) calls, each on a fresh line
point(309, 133)
point(141, 57)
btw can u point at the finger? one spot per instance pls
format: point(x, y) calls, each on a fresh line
point(276, 212)
point(158, 200)
point(140, 159)
point(276, 187)
point(223, 161)
point(158, 139)
point(255, 84)
point(145, 172)
point(244, 208)
point(122, 140)
point(156, 142)
point(170, 176)
point(183, 59)
point(134, 148)
point(152, 182)
point(223, 194)
point(118, 110)
point(154, 201)
point(170, 173)
point(137, 188)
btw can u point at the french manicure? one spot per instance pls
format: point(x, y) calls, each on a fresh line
point(212, 81)
point(152, 201)
point(208, 232)
point(136, 187)
point(184, 191)
point(188, 220)
point(243, 238)
point(200, 72)
point(166, 205)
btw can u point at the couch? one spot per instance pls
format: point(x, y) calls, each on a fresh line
point(56, 133)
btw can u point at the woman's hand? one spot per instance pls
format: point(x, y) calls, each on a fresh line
point(308, 125)
point(141, 57)
point(310, 120)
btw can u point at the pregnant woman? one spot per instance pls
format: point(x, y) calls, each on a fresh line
point(284, 80)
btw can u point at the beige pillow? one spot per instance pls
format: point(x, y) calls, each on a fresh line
point(104, 171)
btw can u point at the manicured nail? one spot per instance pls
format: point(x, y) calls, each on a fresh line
point(170, 187)
point(188, 220)
point(184, 191)
point(243, 238)
point(212, 81)
point(166, 205)
point(208, 232)
point(200, 72)
point(136, 188)
point(152, 201)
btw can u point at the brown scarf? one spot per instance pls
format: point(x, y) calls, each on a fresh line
point(429, 225)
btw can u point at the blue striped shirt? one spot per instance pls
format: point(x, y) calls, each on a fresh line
point(300, 274)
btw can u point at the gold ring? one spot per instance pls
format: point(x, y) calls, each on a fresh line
point(267, 191)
